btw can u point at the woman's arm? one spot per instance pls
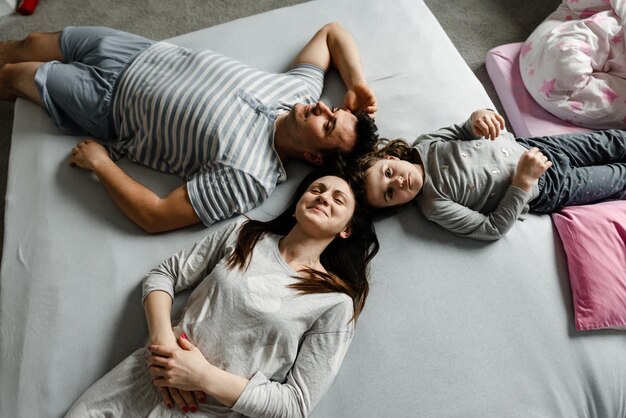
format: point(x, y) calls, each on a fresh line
point(187, 369)
point(158, 309)
point(318, 360)
point(180, 271)
point(317, 363)
point(191, 265)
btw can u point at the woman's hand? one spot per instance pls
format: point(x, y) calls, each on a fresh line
point(185, 400)
point(88, 154)
point(182, 368)
point(487, 123)
point(361, 97)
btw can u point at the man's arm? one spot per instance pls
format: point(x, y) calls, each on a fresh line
point(148, 210)
point(333, 46)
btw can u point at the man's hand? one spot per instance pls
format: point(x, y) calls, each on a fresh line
point(333, 46)
point(143, 206)
point(88, 154)
point(487, 123)
point(532, 164)
point(361, 97)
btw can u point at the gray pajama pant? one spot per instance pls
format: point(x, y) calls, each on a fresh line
point(587, 167)
point(78, 93)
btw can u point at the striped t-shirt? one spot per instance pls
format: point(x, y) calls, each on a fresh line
point(209, 119)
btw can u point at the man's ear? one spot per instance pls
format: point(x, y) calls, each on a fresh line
point(347, 231)
point(391, 157)
point(314, 158)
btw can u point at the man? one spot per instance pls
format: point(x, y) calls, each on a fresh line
point(223, 126)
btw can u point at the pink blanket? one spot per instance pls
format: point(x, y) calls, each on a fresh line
point(574, 63)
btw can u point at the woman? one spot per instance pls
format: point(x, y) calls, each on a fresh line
point(478, 189)
point(268, 324)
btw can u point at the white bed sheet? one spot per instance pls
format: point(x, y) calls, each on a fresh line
point(452, 327)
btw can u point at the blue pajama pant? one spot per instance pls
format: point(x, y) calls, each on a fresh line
point(587, 167)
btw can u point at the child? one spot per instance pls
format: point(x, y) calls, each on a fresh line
point(477, 188)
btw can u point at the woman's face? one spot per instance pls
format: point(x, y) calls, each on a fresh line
point(391, 182)
point(326, 208)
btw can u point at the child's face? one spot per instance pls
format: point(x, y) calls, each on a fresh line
point(391, 182)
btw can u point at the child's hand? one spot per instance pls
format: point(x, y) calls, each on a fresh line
point(532, 164)
point(487, 123)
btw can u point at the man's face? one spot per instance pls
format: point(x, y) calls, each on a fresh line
point(318, 127)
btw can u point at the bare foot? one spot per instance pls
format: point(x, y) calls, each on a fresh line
point(5, 51)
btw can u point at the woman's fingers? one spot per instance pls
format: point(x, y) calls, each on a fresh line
point(158, 361)
point(200, 396)
point(161, 350)
point(178, 398)
point(167, 398)
point(189, 400)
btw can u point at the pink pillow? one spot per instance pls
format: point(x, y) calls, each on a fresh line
point(526, 116)
point(594, 239)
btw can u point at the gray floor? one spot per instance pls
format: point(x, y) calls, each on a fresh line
point(475, 26)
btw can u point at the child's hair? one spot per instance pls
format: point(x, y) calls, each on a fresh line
point(345, 259)
point(384, 147)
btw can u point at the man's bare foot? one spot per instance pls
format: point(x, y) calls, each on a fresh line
point(5, 51)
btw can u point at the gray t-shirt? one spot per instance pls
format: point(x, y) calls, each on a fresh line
point(467, 187)
point(248, 323)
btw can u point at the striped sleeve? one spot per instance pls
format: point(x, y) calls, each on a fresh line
point(312, 75)
point(220, 191)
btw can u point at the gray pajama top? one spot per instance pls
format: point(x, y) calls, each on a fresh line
point(248, 323)
point(467, 187)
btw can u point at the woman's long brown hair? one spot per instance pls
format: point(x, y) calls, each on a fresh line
point(345, 259)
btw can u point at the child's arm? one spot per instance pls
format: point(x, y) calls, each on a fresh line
point(486, 123)
point(473, 224)
point(481, 123)
point(532, 164)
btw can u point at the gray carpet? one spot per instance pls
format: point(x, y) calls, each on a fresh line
point(475, 26)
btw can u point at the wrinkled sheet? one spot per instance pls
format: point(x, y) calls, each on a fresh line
point(574, 63)
point(452, 327)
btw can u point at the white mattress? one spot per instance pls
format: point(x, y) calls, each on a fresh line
point(452, 327)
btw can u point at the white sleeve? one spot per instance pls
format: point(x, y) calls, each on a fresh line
point(319, 358)
point(186, 268)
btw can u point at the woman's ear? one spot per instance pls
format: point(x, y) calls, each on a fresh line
point(391, 157)
point(347, 231)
